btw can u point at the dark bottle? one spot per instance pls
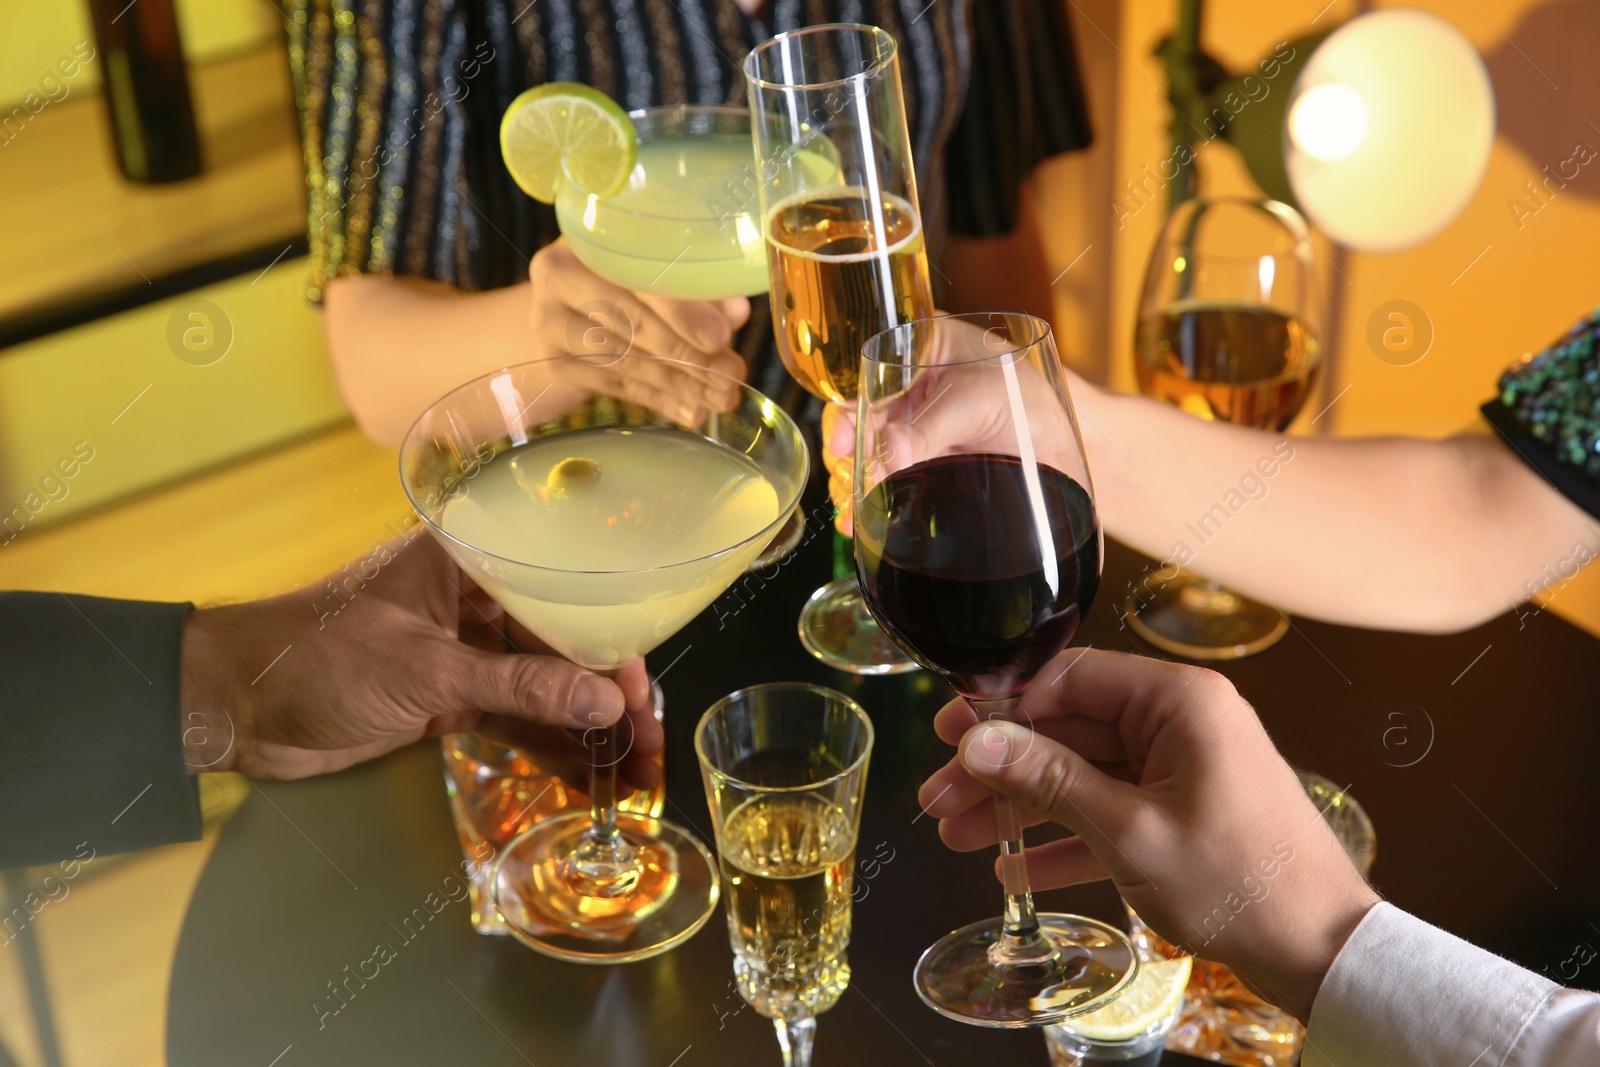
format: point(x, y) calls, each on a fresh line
point(146, 89)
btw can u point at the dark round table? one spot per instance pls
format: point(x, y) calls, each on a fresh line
point(1475, 755)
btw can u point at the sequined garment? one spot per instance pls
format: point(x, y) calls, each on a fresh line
point(400, 104)
point(1549, 411)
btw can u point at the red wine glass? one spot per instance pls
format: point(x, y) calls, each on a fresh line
point(978, 551)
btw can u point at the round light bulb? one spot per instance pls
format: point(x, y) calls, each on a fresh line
point(1328, 122)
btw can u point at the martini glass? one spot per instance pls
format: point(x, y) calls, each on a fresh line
point(603, 527)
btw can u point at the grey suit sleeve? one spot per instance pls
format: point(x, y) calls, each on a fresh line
point(90, 739)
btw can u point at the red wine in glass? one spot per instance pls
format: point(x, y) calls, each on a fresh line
point(978, 552)
point(958, 579)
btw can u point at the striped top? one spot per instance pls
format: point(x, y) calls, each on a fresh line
point(400, 104)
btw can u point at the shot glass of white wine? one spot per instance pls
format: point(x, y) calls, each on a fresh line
point(785, 767)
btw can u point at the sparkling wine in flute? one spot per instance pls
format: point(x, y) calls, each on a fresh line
point(785, 768)
point(840, 273)
point(1246, 364)
point(787, 865)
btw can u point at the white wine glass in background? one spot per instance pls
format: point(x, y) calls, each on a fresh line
point(785, 770)
point(845, 247)
point(1229, 330)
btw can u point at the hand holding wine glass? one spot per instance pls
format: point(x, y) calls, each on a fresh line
point(1178, 796)
point(980, 561)
point(1229, 330)
point(955, 408)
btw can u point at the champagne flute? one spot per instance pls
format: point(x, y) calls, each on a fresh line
point(845, 246)
point(1228, 330)
point(785, 768)
point(978, 550)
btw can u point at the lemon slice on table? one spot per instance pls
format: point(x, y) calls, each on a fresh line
point(1155, 994)
point(565, 131)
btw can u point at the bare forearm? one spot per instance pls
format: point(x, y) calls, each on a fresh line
point(399, 343)
point(1390, 532)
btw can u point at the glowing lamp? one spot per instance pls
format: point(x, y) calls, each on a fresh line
point(1379, 131)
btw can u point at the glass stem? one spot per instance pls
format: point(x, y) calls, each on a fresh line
point(603, 788)
point(1021, 942)
point(844, 555)
point(794, 1038)
point(603, 864)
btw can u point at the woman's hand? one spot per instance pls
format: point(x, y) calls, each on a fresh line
point(1176, 794)
point(962, 399)
point(576, 311)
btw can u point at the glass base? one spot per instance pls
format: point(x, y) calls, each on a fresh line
point(837, 628)
point(1224, 1022)
point(536, 891)
point(1094, 963)
point(1198, 619)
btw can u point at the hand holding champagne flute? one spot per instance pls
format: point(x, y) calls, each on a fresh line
point(845, 247)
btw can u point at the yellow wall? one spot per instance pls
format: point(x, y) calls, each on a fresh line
point(116, 390)
point(40, 32)
point(1533, 282)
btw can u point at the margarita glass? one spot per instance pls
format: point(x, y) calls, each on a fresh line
point(684, 223)
point(603, 527)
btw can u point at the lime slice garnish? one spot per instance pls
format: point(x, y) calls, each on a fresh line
point(564, 131)
point(1154, 994)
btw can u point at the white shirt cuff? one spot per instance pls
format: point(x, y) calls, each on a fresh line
point(1403, 993)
